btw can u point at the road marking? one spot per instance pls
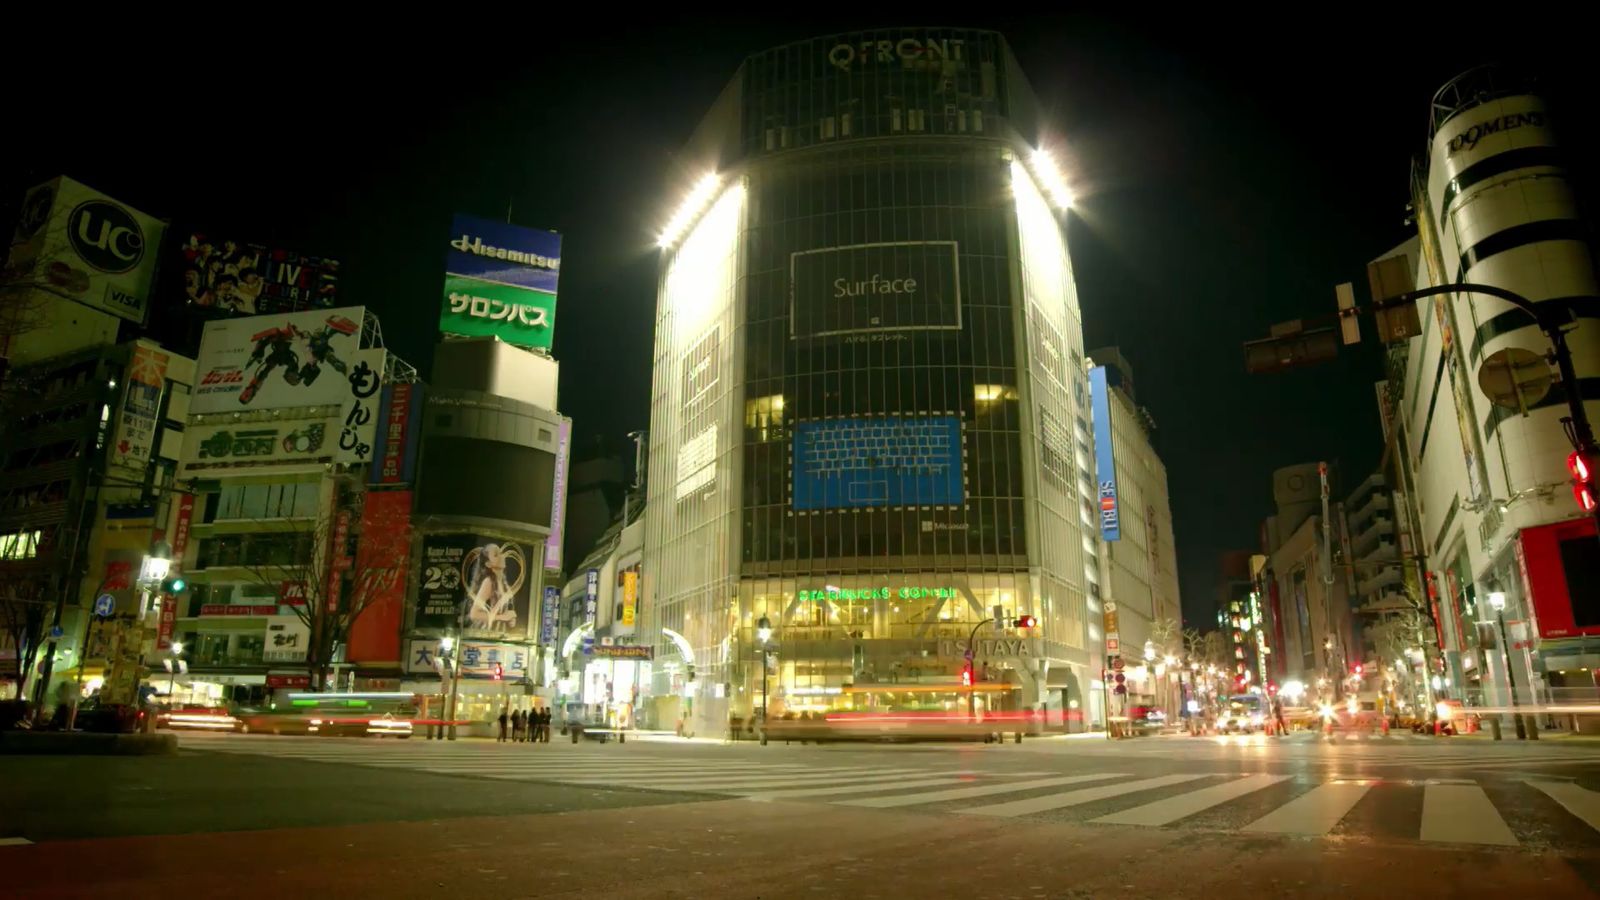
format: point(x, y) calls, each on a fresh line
point(1583, 803)
point(14, 841)
point(798, 793)
point(1163, 812)
point(979, 791)
point(1462, 814)
point(1074, 798)
point(1314, 812)
point(719, 783)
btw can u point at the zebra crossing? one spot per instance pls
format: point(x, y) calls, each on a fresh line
point(1546, 810)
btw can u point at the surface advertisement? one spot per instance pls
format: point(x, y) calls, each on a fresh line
point(1104, 462)
point(141, 405)
point(259, 445)
point(500, 281)
point(229, 276)
point(904, 286)
point(87, 246)
point(882, 461)
point(277, 361)
point(475, 583)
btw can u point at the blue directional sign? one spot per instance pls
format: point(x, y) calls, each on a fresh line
point(105, 606)
point(57, 633)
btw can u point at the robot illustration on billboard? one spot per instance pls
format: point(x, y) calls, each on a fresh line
point(493, 574)
point(286, 346)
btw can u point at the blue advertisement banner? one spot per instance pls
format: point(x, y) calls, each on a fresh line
point(504, 253)
point(883, 461)
point(1104, 464)
point(549, 614)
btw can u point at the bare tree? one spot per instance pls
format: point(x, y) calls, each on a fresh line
point(335, 580)
point(22, 620)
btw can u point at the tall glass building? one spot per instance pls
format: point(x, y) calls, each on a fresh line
point(870, 413)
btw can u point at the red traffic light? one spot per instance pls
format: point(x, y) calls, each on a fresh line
point(1026, 622)
point(1578, 465)
point(1358, 668)
point(499, 671)
point(1584, 496)
point(966, 675)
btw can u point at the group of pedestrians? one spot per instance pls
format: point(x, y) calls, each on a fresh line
point(526, 725)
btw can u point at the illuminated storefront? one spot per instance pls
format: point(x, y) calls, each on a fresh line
point(870, 422)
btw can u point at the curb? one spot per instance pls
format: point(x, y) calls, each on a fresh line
point(57, 743)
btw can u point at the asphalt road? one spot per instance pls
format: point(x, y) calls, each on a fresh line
point(251, 816)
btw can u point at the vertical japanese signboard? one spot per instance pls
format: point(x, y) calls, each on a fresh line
point(548, 615)
point(591, 595)
point(1104, 461)
point(395, 443)
point(180, 543)
point(360, 420)
point(141, 405)
point(558, 497)
point(630, 596)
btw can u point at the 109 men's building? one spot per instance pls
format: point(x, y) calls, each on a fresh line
point(870, 419)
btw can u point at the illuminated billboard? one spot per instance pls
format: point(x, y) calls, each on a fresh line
point(476, 583)
point(229, 276)
point(1104, 462)
point(904, 286)
point(276, 361)
point(87, 246)
point(881, 461)
point(500, 281)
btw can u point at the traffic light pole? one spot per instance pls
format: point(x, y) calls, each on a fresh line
point(972, 657)
point(1544, 315)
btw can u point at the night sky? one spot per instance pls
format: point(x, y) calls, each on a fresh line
point(1228, 175)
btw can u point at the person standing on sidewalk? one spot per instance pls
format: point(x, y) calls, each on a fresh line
point(503, 718)
point(516, 726)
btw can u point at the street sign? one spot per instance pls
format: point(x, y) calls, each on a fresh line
point(1113, 645)
point(57, 632)
point(1515, 378)
point(105, 606)
point(1118, 664)
point(968, 654)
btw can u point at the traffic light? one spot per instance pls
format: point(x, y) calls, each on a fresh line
point(1582, 480)
point(1026, 622)
point(966, 675)
point(499, 671)
point(174, 585)
point(1358, 669)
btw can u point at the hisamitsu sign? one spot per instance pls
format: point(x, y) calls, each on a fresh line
point(500, 281)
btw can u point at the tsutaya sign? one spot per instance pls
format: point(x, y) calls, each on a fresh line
point(909, 50)
point(989, 647)
point(879, 593)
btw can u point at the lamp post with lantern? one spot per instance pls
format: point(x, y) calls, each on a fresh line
point(1497, 600)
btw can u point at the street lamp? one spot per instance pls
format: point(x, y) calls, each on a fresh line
point(172, 671)
point(764, 634)
point(1497, 599)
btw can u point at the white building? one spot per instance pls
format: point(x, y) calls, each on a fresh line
point(1490, 487)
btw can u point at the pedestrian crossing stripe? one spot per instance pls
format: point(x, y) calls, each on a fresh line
point(1453, 811)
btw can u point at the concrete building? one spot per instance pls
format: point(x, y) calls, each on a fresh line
point(1308, 590)
point(1139, 568)
point(870, 392)
point(1497, 519)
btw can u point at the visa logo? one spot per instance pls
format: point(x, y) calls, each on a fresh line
point(123, 298)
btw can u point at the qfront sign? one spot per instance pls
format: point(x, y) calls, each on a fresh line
point(500, 281)
point(907, 51)
point(87, 246)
